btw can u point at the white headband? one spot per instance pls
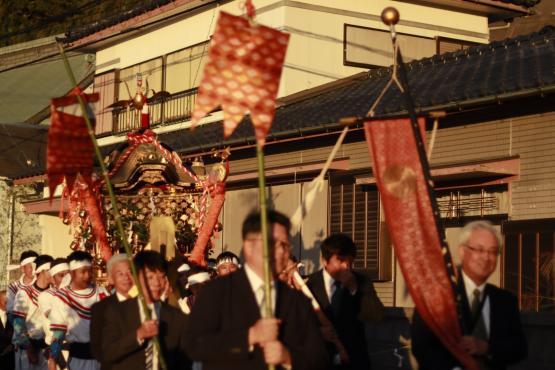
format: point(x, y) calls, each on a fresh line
point(43, 267)
point(197, 278)
point(59, 268)
point(184, 268)
point(233, 260)
point(74, 265)
point(27, 260)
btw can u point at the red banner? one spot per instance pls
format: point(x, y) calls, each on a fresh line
point(242, 74)
point(69, 150)
point(411, 224)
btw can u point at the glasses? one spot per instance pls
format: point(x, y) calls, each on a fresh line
point(490, 252)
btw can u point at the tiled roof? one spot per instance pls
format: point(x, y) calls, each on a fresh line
point(141, 8)
point(522, 66)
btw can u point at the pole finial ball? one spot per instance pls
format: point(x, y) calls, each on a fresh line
point(390, 16)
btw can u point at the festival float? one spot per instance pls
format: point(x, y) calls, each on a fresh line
point(164, 204)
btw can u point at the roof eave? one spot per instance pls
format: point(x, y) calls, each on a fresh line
point(493, 9)
point(134, 26)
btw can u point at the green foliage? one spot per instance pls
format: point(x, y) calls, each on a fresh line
point(25, 20)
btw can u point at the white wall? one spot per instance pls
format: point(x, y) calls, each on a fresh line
point(315, 53)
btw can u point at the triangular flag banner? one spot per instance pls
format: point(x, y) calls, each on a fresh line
point(411, 224)
point(69, 150)
point(242, 74)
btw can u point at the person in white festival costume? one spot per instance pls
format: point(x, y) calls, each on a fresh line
point(27, 267)
point(59, 271)
point(71, 313)
point(28, 321)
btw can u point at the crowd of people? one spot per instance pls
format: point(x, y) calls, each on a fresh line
point(56, 317)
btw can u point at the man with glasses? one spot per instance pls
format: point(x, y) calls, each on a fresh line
point(492, 332)
point(228, 328)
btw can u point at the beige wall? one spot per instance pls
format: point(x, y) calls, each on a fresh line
point(315, 53)
point(56, 236)
point(284, 198)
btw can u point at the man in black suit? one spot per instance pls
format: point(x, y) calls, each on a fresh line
point(226, 328)
point(6, 332)
point(492, 332)
point(127, 335)
point(119, 275)
point(348, 299)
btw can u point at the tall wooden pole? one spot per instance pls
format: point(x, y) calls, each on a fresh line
point(117, 217)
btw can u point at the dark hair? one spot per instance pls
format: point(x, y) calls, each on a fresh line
point(79, 256)
point(58, 261)
point(42, 259)
point(252, 222)
point(27, 254)
point(227, 256)
point(340, 245)
point(151, 260)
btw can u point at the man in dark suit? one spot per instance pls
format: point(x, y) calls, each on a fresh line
point(127, 335)
point(492, 332)
point(348, 299)
point(226, 329)
point(6, 332)
point(119, 275)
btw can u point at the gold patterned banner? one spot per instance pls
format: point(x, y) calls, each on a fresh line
point(242, 74)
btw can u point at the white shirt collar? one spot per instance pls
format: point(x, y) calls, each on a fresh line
point(3, 316)
point(469, 287)
point(120, 297)
point(256, 282)
point(253, 278)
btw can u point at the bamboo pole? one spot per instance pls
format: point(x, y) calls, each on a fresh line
point(117, 217)
point(265, 235)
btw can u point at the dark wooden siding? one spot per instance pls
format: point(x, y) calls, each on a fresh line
point(354, 211)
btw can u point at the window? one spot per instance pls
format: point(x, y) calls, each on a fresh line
point(367, 47)
point(529, 263)
point(184, 68)
point(473, 202)
point(105, 84)
point(354, 210)
point(447, 45)
point(151, 72)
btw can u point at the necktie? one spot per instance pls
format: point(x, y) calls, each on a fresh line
point(479, 326)
point(336, 297)
point(149, 355)
point(475, 303)
point(261, 299)
point(149, 350)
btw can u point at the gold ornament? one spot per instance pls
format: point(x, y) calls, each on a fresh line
point(390, 16)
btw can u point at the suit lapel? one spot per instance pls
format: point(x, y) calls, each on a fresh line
point(130, 313)
point(466, 315)
point(246, 299)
